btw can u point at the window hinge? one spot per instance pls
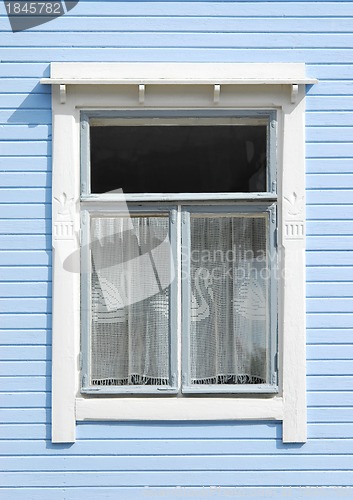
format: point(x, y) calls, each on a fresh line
point(183, 218)
point(173, 217)
point(274, 377)
point(80, 361)
point(84, 381)
point(276, 362)
point(275, 237)
point(274, 186)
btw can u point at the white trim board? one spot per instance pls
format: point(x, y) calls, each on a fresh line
point(68, 405)
point(177, 73)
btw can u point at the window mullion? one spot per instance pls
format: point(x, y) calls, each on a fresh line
point(186, 297)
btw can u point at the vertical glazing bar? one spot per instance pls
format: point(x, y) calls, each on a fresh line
point(186, 295)
point(86, 299)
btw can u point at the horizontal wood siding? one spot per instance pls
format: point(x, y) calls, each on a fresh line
point(176, 460)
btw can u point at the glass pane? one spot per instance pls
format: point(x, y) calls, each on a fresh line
point(229, 300)
point(131, 274)
point(178, 159)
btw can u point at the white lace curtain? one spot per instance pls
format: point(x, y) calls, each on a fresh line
point(229, 300)
point(130, 301)
point(131, 271)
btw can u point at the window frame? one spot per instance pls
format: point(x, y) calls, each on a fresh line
point(248, 202)
point(118, 86)
point(247, 209)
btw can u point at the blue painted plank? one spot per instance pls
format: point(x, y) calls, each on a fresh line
point(331, 71)
point(328, 118)
point(25, 431)
point(331, 87)
point(29, 353)
point(329, 181)
point(201, 24)
point(126, 463)
point(333, 398)
point(332, 134)
point(23, 368)
point(329, 289)
point(330, 351)
point(207, 22)
point(23, 132)
point(25, 400)
point(324, 367)
point(23, 226)
point(197, 493)
point(214, 8)
point(126, 54)
point(179, 36)
point(320, 274)
point(329, 196)
point(20, 384)
point(24, 70)
point(30, 321)
point(329, 150)
point(25, 337)
point(330, 414)
point(329, 335)
point(327, 228)
point(175, 447)
point(29, 101)
point(187, 478)
point(25, 258)
point(317, 212)
point(329, 305)
point(21, 195)
point(329, 242)
point(27, 416)
point(23, 289)
point(22, 85)
point(25, 242)
point(21, 273)
point(329, 258)
point(26, 305)
point(333, 383)
point(25, 163)
point(28, 148)
point(26, 116)
point(334, 103)
point(30, 211)
point(329, 320)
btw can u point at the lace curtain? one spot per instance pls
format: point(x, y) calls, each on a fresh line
point(228, 329)
point(131, 273)
point(130, 301)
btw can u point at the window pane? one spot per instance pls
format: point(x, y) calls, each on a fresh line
point(178, 159)
point(229, 308)
point(130, 281)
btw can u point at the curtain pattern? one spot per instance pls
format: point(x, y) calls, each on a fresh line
point(130, 343)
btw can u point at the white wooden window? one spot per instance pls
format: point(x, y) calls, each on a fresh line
point(197, 89)
point(219, 255)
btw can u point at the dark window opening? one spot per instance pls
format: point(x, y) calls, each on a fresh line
point(179, 159)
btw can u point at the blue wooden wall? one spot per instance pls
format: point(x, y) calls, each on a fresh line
point(136, 461)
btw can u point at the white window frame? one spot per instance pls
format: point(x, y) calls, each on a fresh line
point(117, 86)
